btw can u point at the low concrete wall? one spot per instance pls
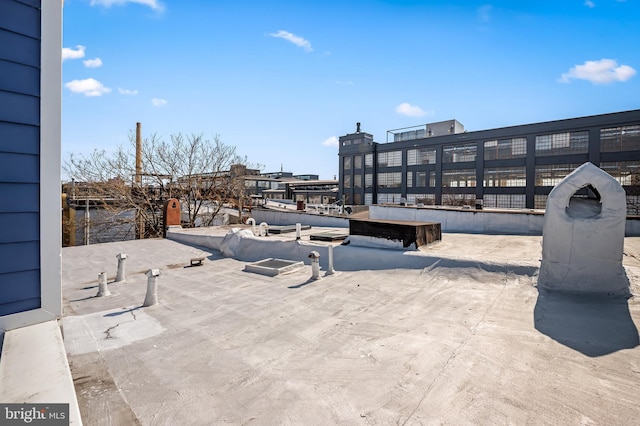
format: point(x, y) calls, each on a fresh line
point(632, 227)
point(452, 220)
point(468, 221)
point(517, 222)
point(273, 217)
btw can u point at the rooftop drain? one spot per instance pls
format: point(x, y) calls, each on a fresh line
point(272, 267)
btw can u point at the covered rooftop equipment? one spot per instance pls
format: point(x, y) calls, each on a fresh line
point(583, 235)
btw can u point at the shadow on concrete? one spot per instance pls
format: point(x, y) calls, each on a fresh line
point(110, 280)
point(89, 287)
point(125, 311)
point(348, 259)
point(593, 326)
point(84, 298)
point(207, 252)
point(307, 282)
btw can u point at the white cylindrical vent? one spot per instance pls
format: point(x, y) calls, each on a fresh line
point(103, 289)
point(120, 275)
point(251, 221)
point(152, 287)
point(315, 265)
point(298, 230)
point(330, 270)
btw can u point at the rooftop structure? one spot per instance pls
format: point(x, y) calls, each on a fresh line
point(286, 186)
point(278, 175)
point(429, 130)
point(309, 191)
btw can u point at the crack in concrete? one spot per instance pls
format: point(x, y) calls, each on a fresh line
point(108, 331)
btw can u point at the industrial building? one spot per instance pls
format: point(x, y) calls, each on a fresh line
point(309, 191)
point(510, 167)
point(287, 186)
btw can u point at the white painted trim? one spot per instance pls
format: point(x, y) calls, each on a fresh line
point(50, 156)
point(35, 369)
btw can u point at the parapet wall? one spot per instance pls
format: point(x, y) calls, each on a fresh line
point(487, 221)
point(514, 222)
point(468, 221)
point(274, 217)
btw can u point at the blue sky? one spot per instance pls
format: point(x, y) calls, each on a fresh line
point(282, 80)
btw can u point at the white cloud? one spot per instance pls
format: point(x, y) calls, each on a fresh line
point(332, 141)
point(344, 82)
point(411, 110)
point(298, 41)
point(87, 87)
point(589, 4)
point(153, 4)
point(127, 91)
point(69, 53)
point(484, 12)
point(93, 63)
point(157, 102)
point(604, 71)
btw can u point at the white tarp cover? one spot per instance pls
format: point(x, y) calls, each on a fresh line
point(583, 241)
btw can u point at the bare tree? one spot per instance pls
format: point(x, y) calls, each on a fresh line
point(632, 188)
point(453, 199)
point(195, 170)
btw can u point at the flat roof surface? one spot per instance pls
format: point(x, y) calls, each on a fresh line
point(455, 333)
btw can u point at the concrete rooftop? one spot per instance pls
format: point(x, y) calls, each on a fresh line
point(456, 333)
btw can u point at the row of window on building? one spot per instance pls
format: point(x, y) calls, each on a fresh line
point(625, 172)
point(503, 201)
point(614, 139)
point(514, 201)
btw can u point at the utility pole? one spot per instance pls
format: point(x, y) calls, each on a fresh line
point(138, 180)
point(138, 153)
point(87, 220)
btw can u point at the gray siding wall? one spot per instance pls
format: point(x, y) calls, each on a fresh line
point(20, 46)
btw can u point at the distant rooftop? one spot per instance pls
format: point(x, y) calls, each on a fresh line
point(440, 128)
